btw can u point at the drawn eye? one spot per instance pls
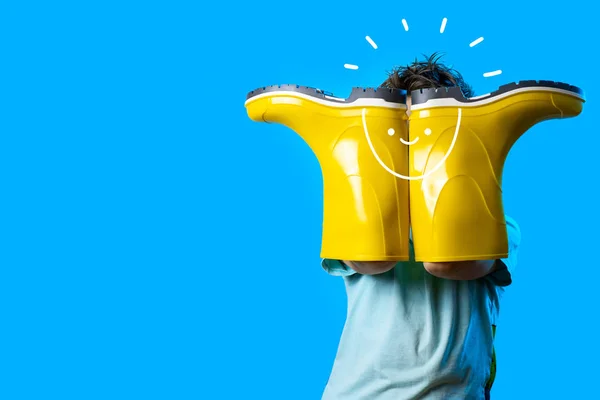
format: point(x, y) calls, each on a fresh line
point(427, 132)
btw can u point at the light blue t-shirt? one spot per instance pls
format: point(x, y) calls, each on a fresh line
point(409, 335)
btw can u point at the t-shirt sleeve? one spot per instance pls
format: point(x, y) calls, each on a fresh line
point(336, 268)
point(503, 275)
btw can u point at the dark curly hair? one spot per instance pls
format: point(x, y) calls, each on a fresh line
point(430, 73)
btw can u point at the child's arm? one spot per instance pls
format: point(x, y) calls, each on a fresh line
point(461, 270)
point(370, 267)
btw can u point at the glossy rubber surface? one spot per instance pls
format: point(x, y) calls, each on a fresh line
point(365, 216)
point(454, 198)
point(457, 211)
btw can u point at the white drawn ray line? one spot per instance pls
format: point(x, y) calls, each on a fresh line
point(371, 42)
point(443, 27)
point(476, 42)
point(492, 73)
point(405, 24)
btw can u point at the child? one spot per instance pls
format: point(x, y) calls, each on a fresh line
point(420, 330)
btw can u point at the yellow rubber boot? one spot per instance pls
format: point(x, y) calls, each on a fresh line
point(366, 212)
point(458, 148)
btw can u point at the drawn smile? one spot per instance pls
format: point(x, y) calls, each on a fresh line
point(427, 133)
point(409, 143)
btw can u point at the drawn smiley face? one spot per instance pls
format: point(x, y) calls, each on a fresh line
point(391, 132)
point(427, 132)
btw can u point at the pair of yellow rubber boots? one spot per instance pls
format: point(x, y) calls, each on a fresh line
point(438, 171)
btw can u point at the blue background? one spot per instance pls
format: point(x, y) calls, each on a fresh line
point(157, 244)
